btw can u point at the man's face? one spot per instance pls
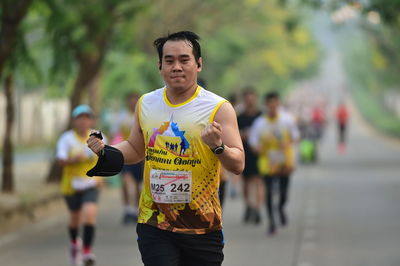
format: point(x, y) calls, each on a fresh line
point(250, 100)
point(179, 68)
point(272, 106)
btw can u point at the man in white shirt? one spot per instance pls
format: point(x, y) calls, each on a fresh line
point(272, 136)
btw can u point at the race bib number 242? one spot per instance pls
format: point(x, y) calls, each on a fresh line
point(171, 186)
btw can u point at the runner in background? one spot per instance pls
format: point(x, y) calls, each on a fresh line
point(223, 176)
point(273, 136)
point(80, 191)
point(235, 183)
point(252, 183)
point(132, 175)
point(318, 121)
point(342, 117)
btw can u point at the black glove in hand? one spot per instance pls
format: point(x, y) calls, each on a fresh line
point(110, 162)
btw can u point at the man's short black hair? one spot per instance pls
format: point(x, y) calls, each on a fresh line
point(248, 90)
point(189, 36)
point(132, 94)
point(271, 96)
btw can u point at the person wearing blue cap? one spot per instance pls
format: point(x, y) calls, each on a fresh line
point(80, 191)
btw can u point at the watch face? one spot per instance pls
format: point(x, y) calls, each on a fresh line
point(219, 150)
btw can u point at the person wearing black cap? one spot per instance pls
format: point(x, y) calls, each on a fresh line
point(186, 134)
point(80, 191)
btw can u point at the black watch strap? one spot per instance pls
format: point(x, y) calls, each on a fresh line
point(218, 150)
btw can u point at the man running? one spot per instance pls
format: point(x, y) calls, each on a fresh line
point(80, 192)
point(179, 211)
point(342, 117)
point(251, 179)
point(272, 136)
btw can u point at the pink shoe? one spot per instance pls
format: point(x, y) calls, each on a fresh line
point(75, 253)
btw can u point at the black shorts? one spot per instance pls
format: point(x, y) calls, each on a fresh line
point(165, 248)
point(250, 165)
point(136, 171)
point(75, 201)
point(250, 168)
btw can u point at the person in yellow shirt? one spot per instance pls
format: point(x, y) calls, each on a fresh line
point(80, 191)
point(272, 136)
point(186, 134)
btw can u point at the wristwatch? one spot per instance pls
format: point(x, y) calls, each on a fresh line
point(219, 149)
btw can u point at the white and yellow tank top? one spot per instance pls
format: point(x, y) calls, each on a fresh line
point(181, 175)
point(74, 175)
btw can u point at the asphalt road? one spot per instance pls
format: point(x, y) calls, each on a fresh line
point(343, 211)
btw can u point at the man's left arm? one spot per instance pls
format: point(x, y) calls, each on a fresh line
point(224, 130)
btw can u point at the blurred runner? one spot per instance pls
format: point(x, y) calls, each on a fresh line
point(251, 179)
point(132, 175)
point(342, 117)
point(80, 192)
point(222, 186)
point(310, 132)
point(234, 186)
point(272, 136)
point(186, 134)
point(318, 121)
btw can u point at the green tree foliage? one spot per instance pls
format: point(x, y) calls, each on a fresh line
point(379, 43)
point(80, 33)
point(248, 42)
point(389, 10)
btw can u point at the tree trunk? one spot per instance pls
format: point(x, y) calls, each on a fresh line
point(89, 68)
point(12, 14)
point(94, 94)
point(8, 169)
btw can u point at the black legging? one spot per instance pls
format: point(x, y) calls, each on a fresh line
point(342, 133)
point(221, 192)
point(283, 183)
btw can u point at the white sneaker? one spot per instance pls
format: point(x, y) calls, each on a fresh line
point(75, 253)
point(89, 260)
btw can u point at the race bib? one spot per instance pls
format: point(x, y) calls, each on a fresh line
point(171, 186)
point(80, 183)
point(276, 157)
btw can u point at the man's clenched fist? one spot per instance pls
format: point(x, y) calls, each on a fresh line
point(95, 144)
point(212, 135)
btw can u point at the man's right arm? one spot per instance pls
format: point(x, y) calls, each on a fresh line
point(132, 148)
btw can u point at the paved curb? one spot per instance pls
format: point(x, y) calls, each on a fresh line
point(18, 210)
